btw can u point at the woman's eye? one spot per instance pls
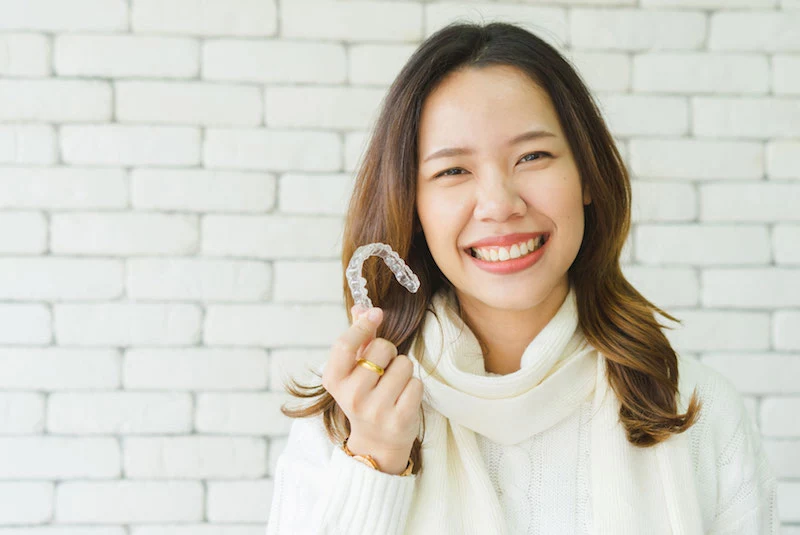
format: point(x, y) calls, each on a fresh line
point(446, 172)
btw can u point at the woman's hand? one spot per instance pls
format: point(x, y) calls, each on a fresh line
point(383, 410)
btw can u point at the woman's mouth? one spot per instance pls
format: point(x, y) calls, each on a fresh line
point(502, 254)
point(506, 260)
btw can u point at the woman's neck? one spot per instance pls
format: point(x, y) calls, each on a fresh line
point(507, 333)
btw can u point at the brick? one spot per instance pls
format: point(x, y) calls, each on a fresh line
point(783, 159)
point(786, 331)
point(54, 530)
point(243, 325)
point(595, 2)
point(308, 282)
point(272, 237)
point(376, 64)
point(663, 201)
point(53, 278)
point(315, 194)
point(785, 71)
point(271, 150)
point(745, 117)
point(295, 363)
point(194, 457)
point(199, 190)
point(119, 413)
point(195, 369)
point(699, 159)
point(59, 458)
point(124, 233)
point(355, 145)
point(788, 498)
point(52, 100)
point(716, 330)
point(123, 502)
point(734, 202)
point(328, 107)
point(710, 4)
point(547, 22)
point(21, 413)
point(645, 115)
point(706, 245)
point(764, 288)
point(602, 71)
point(198, 279)
point(54, 15)
point(665, 287)
point(778, 416)
point(25, 324)
point(26, 144)
point(239, 501)
point(26, 502)
point(692, 72)
point(126, 324)
point(59, 369)
point(24, 54)
point(633, 29)
point(783, 458)
point(275, 61)
point(29, 236)
point(351, 21)
point(760, 373)
point(205, 17)
point(763, 31)
point(144, 56)
point(242, 413)
point(188, 103)
point(110, 144)
point(62, 187)
point(786, 244)
point(197, 529)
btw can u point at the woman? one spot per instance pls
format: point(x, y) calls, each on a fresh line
point(549, 398)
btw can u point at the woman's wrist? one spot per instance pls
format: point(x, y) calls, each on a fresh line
point(393, 461)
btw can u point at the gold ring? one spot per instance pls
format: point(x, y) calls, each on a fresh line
point(371, 365)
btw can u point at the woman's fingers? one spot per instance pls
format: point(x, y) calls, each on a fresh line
point(345, 348)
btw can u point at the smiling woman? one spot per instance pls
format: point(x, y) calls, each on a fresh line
point(553, 402)
point(499, 200)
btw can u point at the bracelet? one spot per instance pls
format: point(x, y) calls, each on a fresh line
point(369, 461)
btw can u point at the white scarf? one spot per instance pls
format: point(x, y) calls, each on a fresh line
point(634, 490)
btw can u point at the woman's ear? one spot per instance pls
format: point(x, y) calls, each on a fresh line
point(587, 196)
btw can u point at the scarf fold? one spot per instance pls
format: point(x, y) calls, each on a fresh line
point(634, 490)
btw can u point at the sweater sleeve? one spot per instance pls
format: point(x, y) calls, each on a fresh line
point(747, 486)
point(317, 488)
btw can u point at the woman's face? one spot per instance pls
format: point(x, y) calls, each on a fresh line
point(497, 188)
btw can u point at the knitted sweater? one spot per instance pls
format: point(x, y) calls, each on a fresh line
point(543, 482)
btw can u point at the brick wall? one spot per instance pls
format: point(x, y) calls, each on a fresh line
point(173, 176)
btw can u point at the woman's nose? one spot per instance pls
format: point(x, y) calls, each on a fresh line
point(498, 200)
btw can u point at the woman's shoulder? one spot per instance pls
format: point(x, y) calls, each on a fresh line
point(722, 401)
point(723, 412)
point(735, 481)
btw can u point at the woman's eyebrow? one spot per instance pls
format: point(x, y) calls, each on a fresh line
point(455, 151)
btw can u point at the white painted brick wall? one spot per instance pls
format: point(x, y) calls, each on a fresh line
point(173, 181)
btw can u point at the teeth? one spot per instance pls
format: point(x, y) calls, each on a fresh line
point(499, 254)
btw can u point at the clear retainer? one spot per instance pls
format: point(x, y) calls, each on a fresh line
point(358, 284)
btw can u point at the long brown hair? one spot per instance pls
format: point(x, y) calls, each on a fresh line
point(615, 318)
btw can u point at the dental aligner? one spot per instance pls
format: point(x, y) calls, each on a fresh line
point(358, 284)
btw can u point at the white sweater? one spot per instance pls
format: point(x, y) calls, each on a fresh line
point(542, 483)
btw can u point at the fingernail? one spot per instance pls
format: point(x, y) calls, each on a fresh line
point(374, 314)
